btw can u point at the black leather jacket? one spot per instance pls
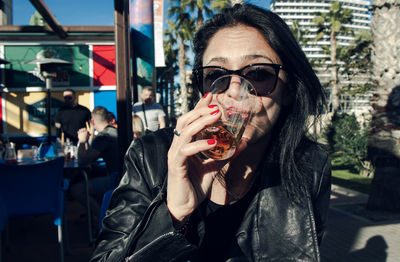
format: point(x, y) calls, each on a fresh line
point(138, 226)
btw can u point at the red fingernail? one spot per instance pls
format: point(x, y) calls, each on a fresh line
point(212, 106)
point(214, 112)
point(206, 95)
point(211, 141)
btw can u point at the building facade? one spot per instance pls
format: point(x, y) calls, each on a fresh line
point(6, 12)
point(303, 12)
point(89, 49)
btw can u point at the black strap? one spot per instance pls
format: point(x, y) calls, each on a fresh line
point(145, 119)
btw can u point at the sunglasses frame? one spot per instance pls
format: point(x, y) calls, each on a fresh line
point(199, 75)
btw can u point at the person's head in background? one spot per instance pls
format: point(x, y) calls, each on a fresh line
point(111, 119)
point(300, 92)
point(70, 98)
point(100, 118)
point(147, 95)
point(137, 127)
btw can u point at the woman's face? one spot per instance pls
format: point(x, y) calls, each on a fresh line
point(236, 47)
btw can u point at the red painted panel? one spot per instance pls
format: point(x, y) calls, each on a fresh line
point(104, 65)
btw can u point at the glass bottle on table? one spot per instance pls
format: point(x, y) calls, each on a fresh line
point(67, 150)
point(10, 155)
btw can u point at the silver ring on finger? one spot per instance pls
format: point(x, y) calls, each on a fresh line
point(176, 132)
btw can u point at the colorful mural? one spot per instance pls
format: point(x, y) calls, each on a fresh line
point(104, 65)
point(22, 106)
point(21, 74)
point(26, 111)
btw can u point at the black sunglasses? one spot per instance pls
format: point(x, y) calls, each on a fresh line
point(68, 97)
point(262, 76)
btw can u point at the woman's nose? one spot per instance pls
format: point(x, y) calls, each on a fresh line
point(234, 87)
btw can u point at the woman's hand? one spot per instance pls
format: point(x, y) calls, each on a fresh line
point(189, 177)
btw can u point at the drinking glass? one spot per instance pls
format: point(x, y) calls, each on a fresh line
point(10, 155)
point(235, 97)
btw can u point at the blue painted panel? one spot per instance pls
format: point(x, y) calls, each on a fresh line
point(108, 99)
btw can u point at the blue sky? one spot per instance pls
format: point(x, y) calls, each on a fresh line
point(78, 12)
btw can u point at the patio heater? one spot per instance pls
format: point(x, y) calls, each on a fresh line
point(48, 68)
point(3, 61)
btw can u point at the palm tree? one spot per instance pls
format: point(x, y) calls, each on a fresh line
point(183, 29)
point(218, 5)
point(384, 143)
point(199, 7)
point(166, 74)
point(332, 24)
point(299, 33)
point(358, 64)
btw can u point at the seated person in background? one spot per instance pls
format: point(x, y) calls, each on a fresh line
point(111, 119)
point(71, 116)
point(137, 127)
point(104, 145)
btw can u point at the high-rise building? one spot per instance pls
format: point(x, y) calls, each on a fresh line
point(303, 12)
point(5, 12)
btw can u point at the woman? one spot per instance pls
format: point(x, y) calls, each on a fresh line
point(267, 203)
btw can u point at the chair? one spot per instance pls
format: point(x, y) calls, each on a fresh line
point(47, 151)
point(115, 178)
point(3, 222)
point(104, 206)
point(35, 189)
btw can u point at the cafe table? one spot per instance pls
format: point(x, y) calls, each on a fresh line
point(72, 164)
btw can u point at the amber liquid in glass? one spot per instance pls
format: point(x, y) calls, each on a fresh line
point(226, 143)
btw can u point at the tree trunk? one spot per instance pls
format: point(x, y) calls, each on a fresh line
point(172, 97)
point(334, 98)
point(384, 142)
point(200, 19)
point(182, 76)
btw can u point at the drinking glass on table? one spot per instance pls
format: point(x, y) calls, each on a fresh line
point(10, 155)
point(237, 107)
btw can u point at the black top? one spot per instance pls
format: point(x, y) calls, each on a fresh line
point(221, 224)
point(138, 227)
point(104, 145)
point(71, 120)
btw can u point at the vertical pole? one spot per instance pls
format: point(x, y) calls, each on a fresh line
point(49, 81)
point(123, 75)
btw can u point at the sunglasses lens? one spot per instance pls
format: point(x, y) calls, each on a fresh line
point(210, 75)
point(263, 78)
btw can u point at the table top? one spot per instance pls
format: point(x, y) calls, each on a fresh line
point(71, 164)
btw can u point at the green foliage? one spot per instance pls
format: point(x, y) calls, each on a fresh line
point(348, 142)
point(354, 181)
point(299, 33)
point(357, 62)
point(218, 5)
point(333, 21)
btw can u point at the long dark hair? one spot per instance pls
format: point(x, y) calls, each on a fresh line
point(307, 92)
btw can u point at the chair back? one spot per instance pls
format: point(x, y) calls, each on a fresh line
point(47, 151)
point(115, 179)
point(104, 206)
point(34, 188)
point(3, 215)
